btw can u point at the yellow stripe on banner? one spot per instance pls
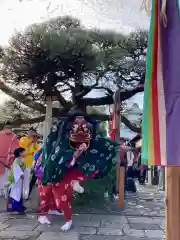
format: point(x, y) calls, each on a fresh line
point(150, 129)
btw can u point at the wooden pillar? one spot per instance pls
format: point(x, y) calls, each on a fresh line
point(121, 187)
point(172, 202)
point(117, 176)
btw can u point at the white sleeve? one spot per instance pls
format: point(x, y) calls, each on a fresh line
point(17, 172)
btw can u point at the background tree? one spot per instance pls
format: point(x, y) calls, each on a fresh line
point(61, 58)
point(102, 128)
point(15, 111)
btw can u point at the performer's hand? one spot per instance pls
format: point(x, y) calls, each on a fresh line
point(73, 162)
point(83, 147)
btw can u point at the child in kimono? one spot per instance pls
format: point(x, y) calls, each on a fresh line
point(51, 207)
point(16, 182)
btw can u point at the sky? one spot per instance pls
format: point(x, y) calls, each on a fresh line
point(118, 15)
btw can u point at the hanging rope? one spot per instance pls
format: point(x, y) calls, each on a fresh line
point(163, 13)
point(147, 6)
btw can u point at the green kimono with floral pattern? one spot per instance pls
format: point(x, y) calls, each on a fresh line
point(100, 156)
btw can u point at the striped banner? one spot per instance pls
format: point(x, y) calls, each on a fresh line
point(161, 114)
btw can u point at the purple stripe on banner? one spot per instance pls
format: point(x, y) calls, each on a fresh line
point(171, 75)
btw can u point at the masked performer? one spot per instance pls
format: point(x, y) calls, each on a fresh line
point(72, 154)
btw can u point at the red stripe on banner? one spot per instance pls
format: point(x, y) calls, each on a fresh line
point(157, 154)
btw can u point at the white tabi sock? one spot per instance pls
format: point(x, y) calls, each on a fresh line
point(115, 196)
point(43, 220)
point(67, 226)
point(72, 162)
point(77, 187)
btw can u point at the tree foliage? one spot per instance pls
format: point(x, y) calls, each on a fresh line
point(63, 59)
point(12, 110)
point(102, 129)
